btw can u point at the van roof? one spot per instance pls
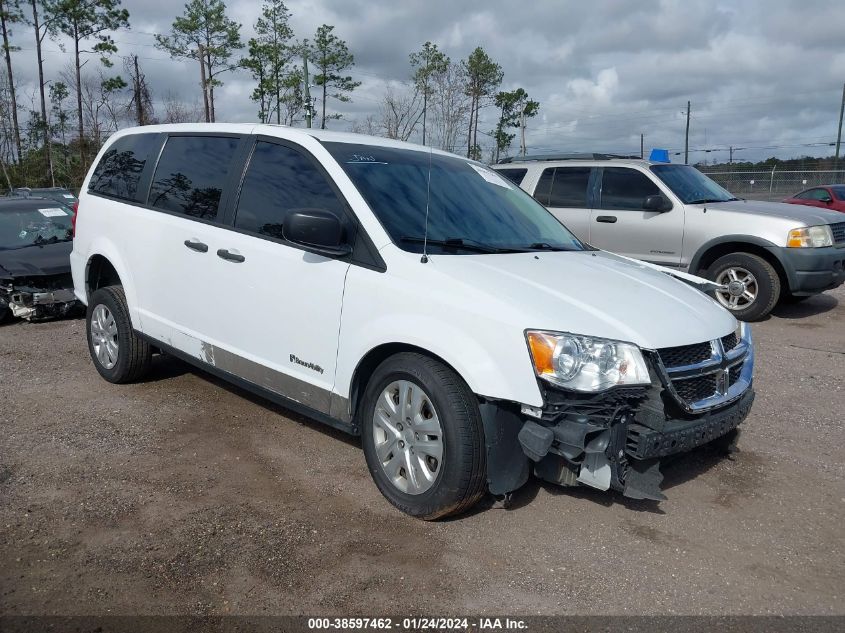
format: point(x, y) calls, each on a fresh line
point(281, 131)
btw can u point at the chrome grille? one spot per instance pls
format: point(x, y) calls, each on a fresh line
point(838, 231)
point(685, 354)
point(704, 375)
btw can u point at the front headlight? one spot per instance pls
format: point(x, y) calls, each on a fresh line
point(810, 237)
point(585, 363)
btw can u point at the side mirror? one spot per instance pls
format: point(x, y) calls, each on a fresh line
point(826, 199)
point(318, 230)
point(657, 203)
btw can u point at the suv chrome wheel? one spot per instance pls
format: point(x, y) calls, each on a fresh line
point(104, 336)
point(741, 289)
point(408, 437)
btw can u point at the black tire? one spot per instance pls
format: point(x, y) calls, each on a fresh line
point(462, 477)
point(768, 283)
point(5, 315)
point(134, 355)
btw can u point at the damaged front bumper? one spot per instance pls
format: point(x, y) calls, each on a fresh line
point(37, 299)
point(616, 439)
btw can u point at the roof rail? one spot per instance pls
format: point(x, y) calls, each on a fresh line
point(571, 156)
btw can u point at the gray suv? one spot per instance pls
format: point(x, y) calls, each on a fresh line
point(675, 216)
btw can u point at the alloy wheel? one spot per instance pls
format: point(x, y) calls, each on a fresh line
point(408, 437)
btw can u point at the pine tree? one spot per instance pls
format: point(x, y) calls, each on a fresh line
point(331, 56)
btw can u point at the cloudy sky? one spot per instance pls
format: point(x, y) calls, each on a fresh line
point(764, 75)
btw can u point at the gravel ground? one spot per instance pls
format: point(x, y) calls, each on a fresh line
point(184, 495)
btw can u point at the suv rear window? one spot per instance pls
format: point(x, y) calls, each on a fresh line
point(190, 174)
point(569, 187)
point(119, 170)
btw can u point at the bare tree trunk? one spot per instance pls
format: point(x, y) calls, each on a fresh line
point(323, 122)
point(201, 58)
point(48, 151)
point(6, 175)
point(425, 108)
point(11, 80)
point(81, 129)
point(469, 132)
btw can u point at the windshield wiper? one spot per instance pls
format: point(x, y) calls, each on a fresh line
point(710, 200)
point(544, 246)
point(457, 243)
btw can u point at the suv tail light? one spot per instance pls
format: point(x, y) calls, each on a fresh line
point(73, 218)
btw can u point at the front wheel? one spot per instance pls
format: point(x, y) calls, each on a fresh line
point(752, 285)
point(423, 437)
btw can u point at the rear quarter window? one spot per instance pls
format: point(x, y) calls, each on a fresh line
point(514, 175)
point(119, 171)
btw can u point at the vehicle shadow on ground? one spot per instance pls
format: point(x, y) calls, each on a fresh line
point(818, 304)
point(166, 367)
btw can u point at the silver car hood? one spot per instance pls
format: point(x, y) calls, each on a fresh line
point(807, 215)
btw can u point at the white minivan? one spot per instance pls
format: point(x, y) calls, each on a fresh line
point(406, 295)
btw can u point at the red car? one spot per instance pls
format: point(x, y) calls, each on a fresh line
point(826, 196)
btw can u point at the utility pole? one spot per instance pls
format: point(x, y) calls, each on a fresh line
point(522, 129)
point(731, 151)
point(307, 90)
point(203, 83)
point(642, 145)
point(839, 134)
point(686, 138)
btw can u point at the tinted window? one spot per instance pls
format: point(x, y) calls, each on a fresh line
point(190, 174)
point(819, 194)
point(569, 187)
point(514, 175)
point(544, 186)
point(456, 200)
point(839, 192)
point(280, 180)
point(623, 188)
point(119, 170)
point(690, 185)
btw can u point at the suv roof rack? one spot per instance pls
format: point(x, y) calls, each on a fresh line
point(571, 156)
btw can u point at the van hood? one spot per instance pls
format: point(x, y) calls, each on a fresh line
point(36, 260)
point(810, 216)
point(593, 293)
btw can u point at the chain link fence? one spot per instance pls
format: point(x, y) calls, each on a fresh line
point(773, 184)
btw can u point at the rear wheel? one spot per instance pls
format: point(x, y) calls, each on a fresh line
point(118, 353)
point(423, 438)
point(752, 285)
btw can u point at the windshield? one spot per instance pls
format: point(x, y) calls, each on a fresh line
point(471, 209)
point(690, 185)
point(31, 225)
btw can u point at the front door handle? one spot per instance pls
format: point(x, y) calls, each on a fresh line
point(230, 257)
point(609, 219)
point(196, 245)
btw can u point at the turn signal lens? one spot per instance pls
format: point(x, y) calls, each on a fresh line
point(73, 219)
point(542, 348)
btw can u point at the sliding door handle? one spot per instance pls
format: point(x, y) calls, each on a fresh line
point(230, 257)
